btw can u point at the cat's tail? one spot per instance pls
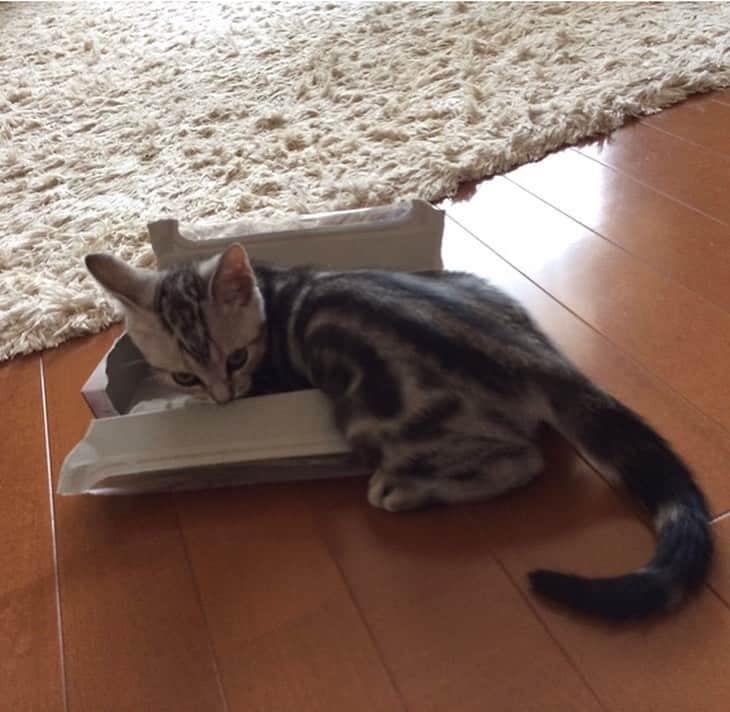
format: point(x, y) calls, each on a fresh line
point(616, 439)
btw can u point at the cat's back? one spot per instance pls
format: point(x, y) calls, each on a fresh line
point(455, 321)
point(457, 303)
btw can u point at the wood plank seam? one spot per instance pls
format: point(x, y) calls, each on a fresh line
point(203, 612)
point(374, 641)
point(536, 612)
point(700, 146)
point(650, 266)
point(532, 281)
point(723, 600)
point(577, 149)
point(54, 542)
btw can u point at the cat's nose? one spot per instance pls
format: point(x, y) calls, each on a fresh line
point(221, 393)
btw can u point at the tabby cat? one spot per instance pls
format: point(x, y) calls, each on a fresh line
point(438, 381)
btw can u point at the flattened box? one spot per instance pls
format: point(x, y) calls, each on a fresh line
point(145, 438)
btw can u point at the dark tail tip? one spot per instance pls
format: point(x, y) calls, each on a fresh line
point(634, 596)
point(679, 565)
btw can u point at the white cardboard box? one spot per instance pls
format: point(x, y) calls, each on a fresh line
point(145, 439)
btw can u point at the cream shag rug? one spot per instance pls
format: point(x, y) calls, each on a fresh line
point(115, 114)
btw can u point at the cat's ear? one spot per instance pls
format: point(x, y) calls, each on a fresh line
point(132, 286)
point(233, 281)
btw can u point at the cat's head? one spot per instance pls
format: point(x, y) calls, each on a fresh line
point(201, 325)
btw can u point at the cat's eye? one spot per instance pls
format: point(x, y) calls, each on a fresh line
point(237, 359)
point(185, 379)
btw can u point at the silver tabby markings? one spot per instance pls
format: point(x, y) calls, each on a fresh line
point(439, 381)
point(180, 299)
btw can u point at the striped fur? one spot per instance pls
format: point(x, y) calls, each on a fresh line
point(180, 299)
point(440, 382)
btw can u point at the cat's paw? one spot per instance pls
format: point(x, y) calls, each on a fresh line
point(157, 405)
point(393, 495)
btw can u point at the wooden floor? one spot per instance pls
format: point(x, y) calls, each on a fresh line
point(302, 597)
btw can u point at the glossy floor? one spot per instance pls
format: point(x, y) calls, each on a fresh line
point(301, 597)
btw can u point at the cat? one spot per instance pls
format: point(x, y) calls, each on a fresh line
point(438, 380)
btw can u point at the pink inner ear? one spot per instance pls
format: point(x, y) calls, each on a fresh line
point(233, 279)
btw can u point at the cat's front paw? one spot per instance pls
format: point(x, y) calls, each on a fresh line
point(393, 494)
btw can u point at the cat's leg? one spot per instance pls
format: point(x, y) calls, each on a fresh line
point(490, 475)
point(499, 472)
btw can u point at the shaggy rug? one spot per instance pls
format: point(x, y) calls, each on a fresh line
point(115, 114)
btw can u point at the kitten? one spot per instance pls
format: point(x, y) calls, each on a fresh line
point(438, 381)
